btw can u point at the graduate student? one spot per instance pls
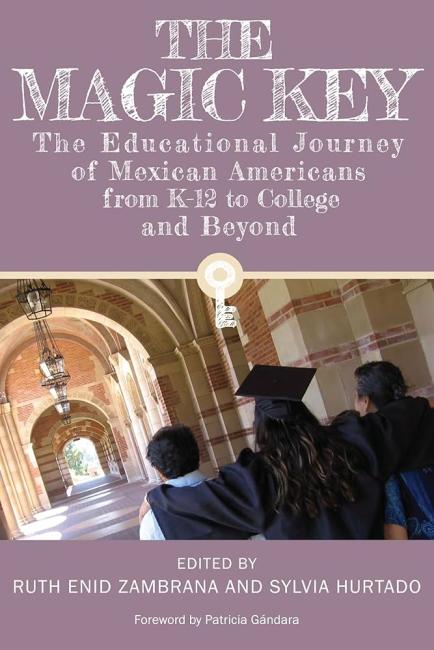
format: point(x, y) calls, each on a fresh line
point(304, 481)
point(409, 510)
point(174, 453)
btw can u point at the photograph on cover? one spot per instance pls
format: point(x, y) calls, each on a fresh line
point(126, 413)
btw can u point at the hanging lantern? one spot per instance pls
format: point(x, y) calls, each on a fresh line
point(34, 297)
point(58, 392)
point(51, 361)
point(63, 408)
point(66, 419)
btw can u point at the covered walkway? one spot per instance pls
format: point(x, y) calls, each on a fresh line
point(105, 508)
point(93, 485)
point(146, 353)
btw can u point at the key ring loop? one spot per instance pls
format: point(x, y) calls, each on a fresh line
point(217, 266)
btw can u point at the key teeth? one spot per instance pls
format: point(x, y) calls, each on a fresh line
point(224, 315)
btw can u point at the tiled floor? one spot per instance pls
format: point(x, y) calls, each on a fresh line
point(104, 508)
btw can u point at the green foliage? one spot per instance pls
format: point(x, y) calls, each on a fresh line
point(75, 459)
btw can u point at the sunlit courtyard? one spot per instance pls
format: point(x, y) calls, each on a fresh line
point(82, 460)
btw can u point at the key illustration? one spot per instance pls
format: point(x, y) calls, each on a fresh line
point(224, 314)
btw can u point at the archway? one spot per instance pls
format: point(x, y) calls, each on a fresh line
point(82, 460)
point(141, 354)
point(50, 437)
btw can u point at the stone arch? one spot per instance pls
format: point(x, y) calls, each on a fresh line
point(148, 321)
point(51, 437)
point(76, 395)
point(156, 362)
point(198, 317)
point(159, 302)
point(79, 416)
point(99, 435)
point(103, 415)
point(149, 310)
point(80, 419)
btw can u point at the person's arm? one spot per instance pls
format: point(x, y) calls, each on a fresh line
point(144, 508)
point(398, 437)
point(235, 505)
point(149, 528)
point(393, 531)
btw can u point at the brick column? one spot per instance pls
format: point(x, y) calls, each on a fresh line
point(123, 432)
point(212, 427)
point(36, 474)
point(49, 469)
point(144, 387)
point(233, 357)
point(8, 510)
point(112, 463)
point(384, 324)
point(10, 481)
point(102, 456)
point(145, 436)
point(23, 461)
point(137, 429)
point(133, 463)
point(179, 397)
point(300, 335)
point(13, 465)
point(420, 298)
point(114, 455)
point(221, 391)
point(64, 470)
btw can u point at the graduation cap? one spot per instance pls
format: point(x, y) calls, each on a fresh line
point(275, 387)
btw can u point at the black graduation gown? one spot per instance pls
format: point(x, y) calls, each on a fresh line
point(238, 503)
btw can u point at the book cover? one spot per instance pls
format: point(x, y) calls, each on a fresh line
point(216, 324)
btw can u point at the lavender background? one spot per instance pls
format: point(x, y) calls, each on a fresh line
point(356, 622)
point(51, 223)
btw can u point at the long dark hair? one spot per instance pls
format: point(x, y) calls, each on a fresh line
point(381, 381)
point(310, 466)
